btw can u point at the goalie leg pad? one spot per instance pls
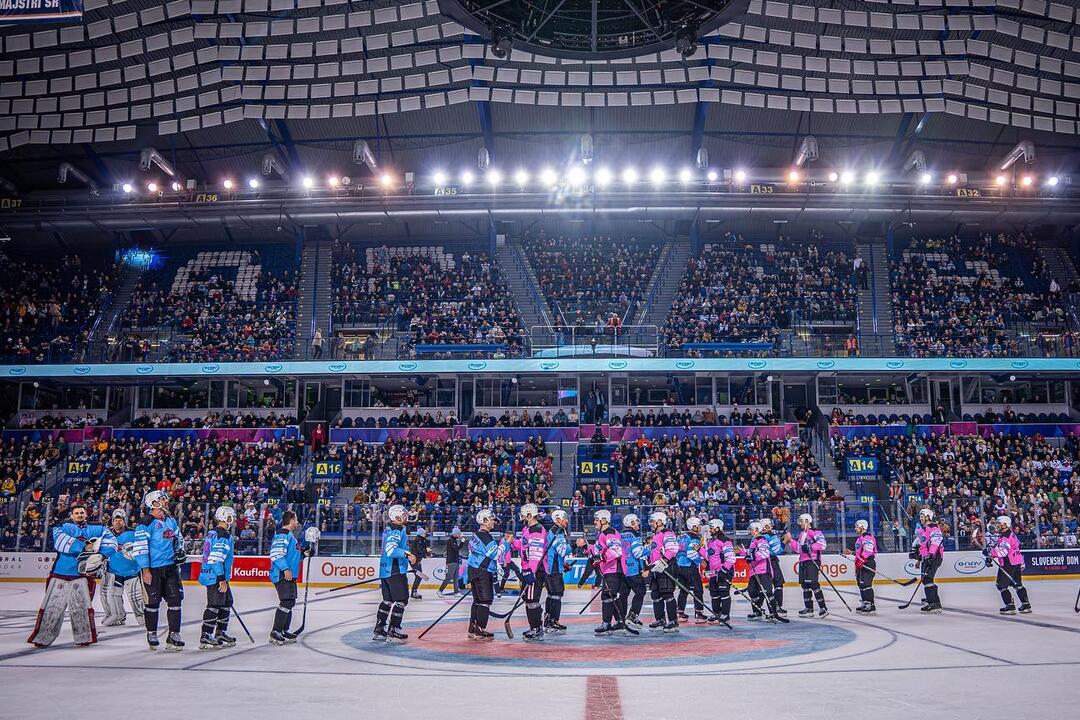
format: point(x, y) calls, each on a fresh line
point(81, 611)
point(51, 613)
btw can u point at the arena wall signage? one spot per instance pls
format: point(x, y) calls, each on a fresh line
point(40, 11)
point(1052, 562)
point(537, 365)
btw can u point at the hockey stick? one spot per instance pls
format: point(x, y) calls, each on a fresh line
point(303, 618)
point(912, 598)
point(439, 619)
point(692, 594)
point(346, 587)
point(615, 601)
point(590, 602)
point(902, 583)
point(521, 597)
point(1076, 607)
point(745, 594)
point(822, 574)
point(242, 623)
point(995, 563)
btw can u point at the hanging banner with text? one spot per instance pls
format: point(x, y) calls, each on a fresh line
point(39, 11)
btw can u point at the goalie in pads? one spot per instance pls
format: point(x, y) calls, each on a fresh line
point(121, 577)
point(70, 587)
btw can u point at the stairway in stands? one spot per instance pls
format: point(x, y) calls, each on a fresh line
point(875, 302)
point(109, 320)
point(1059, 265)
point(666, 281)
point(313, 306)
point(515, 270)
point(562, 478)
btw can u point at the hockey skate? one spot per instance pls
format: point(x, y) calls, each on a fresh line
point(700, 618)
point(683, 617)
point(416, 596)
point(931, 609)
point(1009, 609)
point(806, 612)
point(656, 626)
point(554, 626)
point(277, 638)
point(634, 620)
point(152, 640)
point(823, 612)
point(1025, 609)
point(533, 635)
point(174, 642)
point(394, 636)
point(602, 629)
point(227, 641)
point(755, 616)
point(671, 628)
point(377, 635)
point(209, 642)
point(477, 633)
point(781, 611)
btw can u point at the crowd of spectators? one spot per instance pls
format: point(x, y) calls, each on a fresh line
point(60, 421)
point(436, 479)
point(671, 417)
point(416, 419)
point(213, 321)
point(1024, 477)
point(22, 462)
point(523, 418)
point(226, 419)
point(954, 297)
point(738, 292)
point(47, 310)
point(713, 471)
point(438, 299)
point(594, 281)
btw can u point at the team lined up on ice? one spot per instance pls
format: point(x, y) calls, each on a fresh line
point(664, 562)
point(143, 566)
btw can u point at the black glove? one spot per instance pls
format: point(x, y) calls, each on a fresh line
point(179, 555)
point(989, 562)
point(913, 554)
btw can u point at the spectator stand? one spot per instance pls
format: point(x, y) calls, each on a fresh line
point(611, 339)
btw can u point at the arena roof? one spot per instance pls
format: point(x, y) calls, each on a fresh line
point(216, 84)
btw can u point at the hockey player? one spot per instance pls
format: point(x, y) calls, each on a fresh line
point(776, 547)
point(760, 589)
point(720, 568)
point(483, 565)
point(635, 559)
point(158, 551)
point(865, 555)
point(608, 559)
point(810, 545)
point(928, 551)
point(558, 549)
point(285, 558)
point(453, 562)
point(420, 547)
point(507, 547)
point(70, 587)
point(121, 574)
point(394, 562)
point(1010, 562)
point(532, 546)
point(687, 562)
point(663, 547)
point(217, 563)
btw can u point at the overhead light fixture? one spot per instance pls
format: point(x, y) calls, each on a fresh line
point(1000, 180)
point(1052, 181)
point(1027, 180)
point(834, 176)
point(925, 178)
point(549, 177)
point(152, 187)
point(872, 177)
point(387, 180)
point(952, 179)
point(576, 176)
point(227, 184)
point(494, 177)
point(127, 188)
point(253, 183)
point(740, 176)
point(332, 181)
point(657, 176)
point(847, 177)
point(685, 176)
point(467, 178)
point(176, 187)
point(793, 176)
point(521, 178)
point(439, 178)
point(308, 181)
point(603, 177)
point(712, 176)
point(629, 176)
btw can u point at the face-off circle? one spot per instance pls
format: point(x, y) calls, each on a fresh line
point(694, 647)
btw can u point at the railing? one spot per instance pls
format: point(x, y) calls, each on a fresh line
point(588, 341)
point(539, 306)
point(657, 281)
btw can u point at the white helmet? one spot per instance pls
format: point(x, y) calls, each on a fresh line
point(604, 515)
point(557, 515)
point(755, 526)
point(312, 535)
point(806, 518)
point(528, 510)
point(658, 517)
point(397, 513)
point(156, 499)
point(693, 523)
point(926, 513)
point(1005, 520)
point(225, 514)
point(766, 523)
point(862, 525)
point(716, 524)
point(628, 521)
point(120, 513)
point(484, 515)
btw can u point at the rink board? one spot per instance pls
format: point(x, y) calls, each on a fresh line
point(330, 571)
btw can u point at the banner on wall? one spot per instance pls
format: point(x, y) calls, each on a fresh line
point(25, 565)
point(40, 11)
point(615, 433)
point(244, 435)
point(68, 435)
point(246, 568)
point(381, 435)
point(1052, 562)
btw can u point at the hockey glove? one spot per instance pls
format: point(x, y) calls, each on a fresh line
point(528, 578)
point(913, 554)
point(659, 567)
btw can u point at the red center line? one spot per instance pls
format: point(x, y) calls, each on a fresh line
point(602, 700)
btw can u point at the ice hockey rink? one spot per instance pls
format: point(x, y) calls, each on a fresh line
point(967, 662)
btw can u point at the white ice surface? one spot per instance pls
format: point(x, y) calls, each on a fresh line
point(966, 663)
